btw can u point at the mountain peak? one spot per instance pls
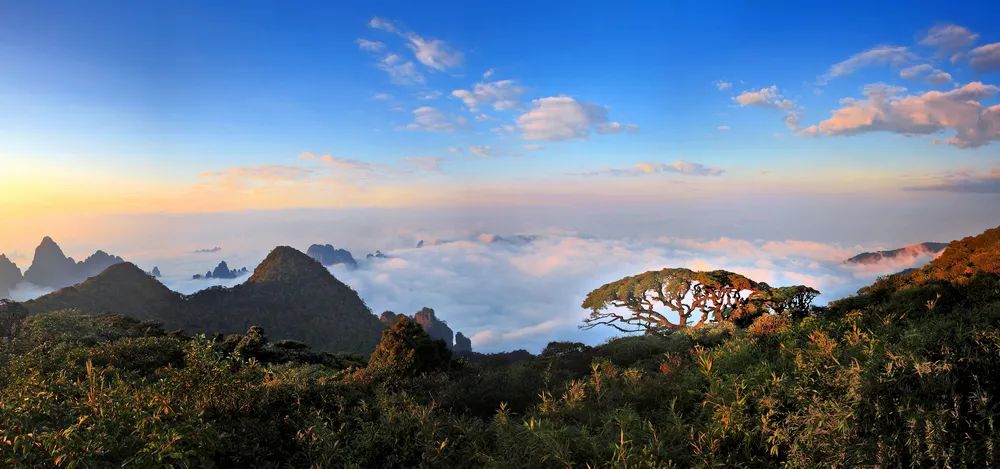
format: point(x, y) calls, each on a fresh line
point(48, 245)
point(288, 265)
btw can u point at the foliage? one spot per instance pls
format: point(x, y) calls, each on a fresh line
point(406, 350)
point(689, 295)
point(902, 374)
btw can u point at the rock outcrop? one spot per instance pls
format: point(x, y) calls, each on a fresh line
point(222, 271)
point(328, 255)
point(10, 276)
point(433, 326)
point(462, 343)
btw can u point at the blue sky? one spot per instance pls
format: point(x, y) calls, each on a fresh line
point(170, 99)
point(184, 87)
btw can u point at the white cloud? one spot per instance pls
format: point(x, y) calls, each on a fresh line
point(948, 39)
point(770, 97)
point(564, 118)
point(383, 24)
point(926, 73)
point(885, 109)
point(428, 95)
point(488, 74)
point(401, 71)
point(431, 119)
point(764, 97)
point(879, 55)
point(985, 58)
point(483, 151)
point(502, 95)
point(382, 96)
point(370, 46)
point(434, 53)
point(677, 167)
point(723, 85)
point(723, 128)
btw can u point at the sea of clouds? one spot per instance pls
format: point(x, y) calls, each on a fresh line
point(522, 291)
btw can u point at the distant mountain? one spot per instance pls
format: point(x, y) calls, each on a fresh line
point(433, 326)
point(490, 238)
point(915, 250)
point(290, 295)
point(10, 276)
point(51, 268)
point(155, 273)
point(328, 255)
point(222, 271)
point(376, 255)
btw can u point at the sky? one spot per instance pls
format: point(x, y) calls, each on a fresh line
point(157, 129)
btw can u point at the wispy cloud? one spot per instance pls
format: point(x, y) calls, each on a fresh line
point(435, 54)
point(723, 85)
point(369, 45)
point(879, 55)
point(432, 119)
point(501, 95)
point(400, 70)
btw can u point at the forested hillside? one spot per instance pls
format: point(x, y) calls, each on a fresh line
point(901, 374)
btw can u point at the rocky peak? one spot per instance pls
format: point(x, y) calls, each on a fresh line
point(50, 267)
point(328, 255)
